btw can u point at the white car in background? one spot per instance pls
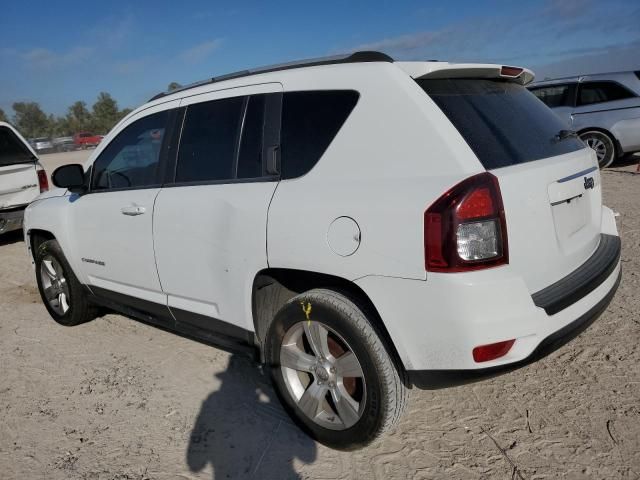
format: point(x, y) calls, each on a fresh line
point(22, 178)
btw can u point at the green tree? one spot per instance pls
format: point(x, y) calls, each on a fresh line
point(173, 86)
point(3, 116)
point(105, 113)
point(78, 119)
point(30, 120)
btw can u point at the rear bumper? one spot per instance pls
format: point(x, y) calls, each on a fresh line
point(435, 324)
point(435, 379)
point(11, 219)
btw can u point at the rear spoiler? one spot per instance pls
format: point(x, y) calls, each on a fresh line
point(424, 70)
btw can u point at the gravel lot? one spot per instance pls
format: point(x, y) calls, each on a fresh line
point(117, 399)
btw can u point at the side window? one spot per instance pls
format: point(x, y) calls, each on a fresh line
point(209, 140)
point(131, 159)
point(597, 92)
point(250, 156)
point(310, 121)
point(554, 96)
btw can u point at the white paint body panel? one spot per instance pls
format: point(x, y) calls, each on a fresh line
point(394, 156)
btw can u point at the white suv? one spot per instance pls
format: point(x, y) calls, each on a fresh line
point(362, 226)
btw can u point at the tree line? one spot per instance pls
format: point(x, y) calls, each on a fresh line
point(31, 121)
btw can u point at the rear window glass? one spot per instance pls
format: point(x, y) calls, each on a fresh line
point(503, 123)
point(12, 150)
point(310, 121)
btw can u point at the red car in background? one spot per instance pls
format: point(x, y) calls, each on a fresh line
point(86, 139)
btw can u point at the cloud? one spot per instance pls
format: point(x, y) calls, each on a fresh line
point(43, 58)
point(113, 32)
point(200, 52)
point(540, 35)
point(612, 58)
point(128, 67)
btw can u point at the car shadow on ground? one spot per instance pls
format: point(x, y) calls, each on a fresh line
point(243, 432)
point(11, 237)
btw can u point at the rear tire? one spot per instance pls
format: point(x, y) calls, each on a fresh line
point(602, 144)
point(332, 372)
point(61, 292)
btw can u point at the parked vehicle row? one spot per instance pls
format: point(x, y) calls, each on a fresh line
point(361, 226)
point(603, 109)
point(78, 141)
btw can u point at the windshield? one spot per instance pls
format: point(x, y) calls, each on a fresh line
point(12, 150)
point(502, 122)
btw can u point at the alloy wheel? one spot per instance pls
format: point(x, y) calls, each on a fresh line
point(323, 375)
point(54, 285)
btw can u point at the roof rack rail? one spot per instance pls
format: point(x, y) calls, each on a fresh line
point(356, 57)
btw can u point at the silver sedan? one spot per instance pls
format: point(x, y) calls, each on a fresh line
point(603, 109)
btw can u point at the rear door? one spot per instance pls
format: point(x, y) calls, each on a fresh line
point(612, 106)
point(18, 177)
point(549, 179)
point(210, 222)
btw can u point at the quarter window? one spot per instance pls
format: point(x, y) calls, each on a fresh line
point(131, 160)
point(209, 140)
point(310, 121)
point(555, 96)
point(597, 92)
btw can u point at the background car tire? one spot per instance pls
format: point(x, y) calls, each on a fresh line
point(381, 390)
point(602, 144)
point(61, 280)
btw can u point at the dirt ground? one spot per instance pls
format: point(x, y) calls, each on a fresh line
point(116, 399)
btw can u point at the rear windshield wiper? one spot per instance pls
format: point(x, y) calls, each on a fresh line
point(564, 134)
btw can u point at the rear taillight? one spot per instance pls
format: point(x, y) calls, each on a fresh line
point(43, 181)
point(465, 229)
point(486, 353)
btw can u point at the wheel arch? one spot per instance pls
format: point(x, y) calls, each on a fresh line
point(37, 237)
point(273, 287)
point(614, 139)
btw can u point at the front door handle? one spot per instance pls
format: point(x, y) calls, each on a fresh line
point(133, 210)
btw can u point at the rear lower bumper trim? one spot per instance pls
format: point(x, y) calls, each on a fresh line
point(11, 219)
point(435, 379)
point(581, 282)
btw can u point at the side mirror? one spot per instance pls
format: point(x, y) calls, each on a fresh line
point(70, 177)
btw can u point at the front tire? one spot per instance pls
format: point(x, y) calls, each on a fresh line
point(61, 292)
point(332, 371)
point(602, 144)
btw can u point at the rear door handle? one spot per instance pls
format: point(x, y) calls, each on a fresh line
point(133, 210)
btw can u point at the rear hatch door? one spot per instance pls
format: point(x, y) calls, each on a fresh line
point(18, 176)
point(549, 179)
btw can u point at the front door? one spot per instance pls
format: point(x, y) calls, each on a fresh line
point(113, 223)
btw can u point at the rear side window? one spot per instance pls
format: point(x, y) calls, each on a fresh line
point(598, 92)
point(502, 122)
point(250, 155)
point(131, 160)
point(310, 121)
point(556, 95)
point(210, 135)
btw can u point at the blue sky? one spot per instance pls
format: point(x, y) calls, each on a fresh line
point(58, 52)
